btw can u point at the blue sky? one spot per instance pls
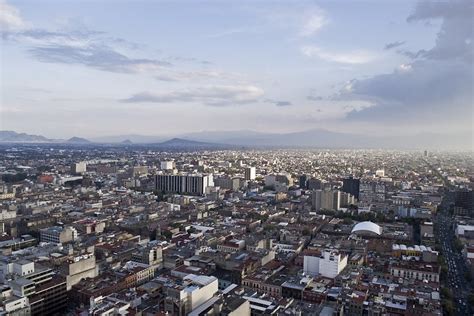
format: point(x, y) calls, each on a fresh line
point(96, 68)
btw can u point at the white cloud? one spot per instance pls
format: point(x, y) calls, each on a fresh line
point(313, 22)
point(305, 20)
point(350, 57)
point(10, 19)
point(218, 95)
point(197, 75)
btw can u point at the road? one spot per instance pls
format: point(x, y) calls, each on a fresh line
point(455, 262)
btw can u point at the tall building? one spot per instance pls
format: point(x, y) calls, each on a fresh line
point(303, 180)
point(351, 185)
point(79, 167)
point(250, 173)
point(45, 290)
point(194, 184)
point(314, 184)
point(464, 202)
point(228, 183)
point(326, 200)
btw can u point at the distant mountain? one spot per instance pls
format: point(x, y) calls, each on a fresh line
point(134, 138)
point(317, 138)
point(14, 137)
point(186, 143)
point(78, 140)
point(329, 139)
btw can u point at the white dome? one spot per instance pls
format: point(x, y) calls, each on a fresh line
point(367, 227)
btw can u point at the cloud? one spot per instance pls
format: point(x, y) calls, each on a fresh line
point(229, 32)
point(80, 46)
point(436, 86)
point(98, 56)
point(209, 95)
point(351, 57)
point(10, 19)
point(305, 20)
point(454, 40)
point(315, 20)
point(177, 76)
point(314, 98)
point(278, 102)
point(393, 45)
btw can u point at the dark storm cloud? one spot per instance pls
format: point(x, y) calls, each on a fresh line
point(437, 83)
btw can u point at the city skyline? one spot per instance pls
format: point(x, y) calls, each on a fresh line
point(165, 68)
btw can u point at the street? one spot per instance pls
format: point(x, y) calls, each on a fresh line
point(455, 280)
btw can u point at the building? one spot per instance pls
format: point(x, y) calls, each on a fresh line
point(464, 202)
point(416, 270)
point(45, 290)
point(79, 167)
point(194, 184)
point(329, 264)
point(148, 255)
point(193, 291)
point(58, 234)
point(79, 267)
point(250, 173)
point(167, 165)
point(367, 228)
point(380, 173)
point(351, 185)
point(331, 200)
point(227, 183)
point(314, 184)
point(302, 180)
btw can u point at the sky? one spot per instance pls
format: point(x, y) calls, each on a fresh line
point(100, 68)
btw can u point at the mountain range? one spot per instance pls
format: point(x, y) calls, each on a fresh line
point(311, 138)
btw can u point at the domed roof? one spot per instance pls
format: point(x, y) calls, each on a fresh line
point(367, 227)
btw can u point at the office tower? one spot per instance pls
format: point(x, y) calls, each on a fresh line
point(194, 184)
point(326, 200)
point(228, 183)
point(250, 173)
point(79, 168)
point(464, 202)
point(314, 184)
point(302, 180)
point(45, 290)
point(352, 186)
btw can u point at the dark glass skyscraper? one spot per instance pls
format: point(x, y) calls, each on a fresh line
point(351, 185)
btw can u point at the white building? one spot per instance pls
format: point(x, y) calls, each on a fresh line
point(79, 167)
point(329, 264)
point(250, 173)
point(195, 291)
point(167, 165)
